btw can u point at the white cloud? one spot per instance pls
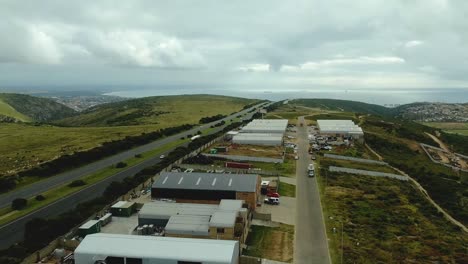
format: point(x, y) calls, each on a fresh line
point(256, 67)
point(341, 61)
point(413, 43)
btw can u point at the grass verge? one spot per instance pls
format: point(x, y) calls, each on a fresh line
point(275, 243)
point(286, 189)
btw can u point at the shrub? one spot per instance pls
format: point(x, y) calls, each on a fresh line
point(19, 203)
point(77, 183)
point(138, 156)
point(121, 165)
point(40, 197)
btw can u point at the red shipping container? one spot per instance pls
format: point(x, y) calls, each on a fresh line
point(238, 165)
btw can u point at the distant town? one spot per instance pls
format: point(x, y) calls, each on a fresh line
point(437, 112)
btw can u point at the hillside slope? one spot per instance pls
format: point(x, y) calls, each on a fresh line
point(163, 110)
point(344, 105)
point(28, 108)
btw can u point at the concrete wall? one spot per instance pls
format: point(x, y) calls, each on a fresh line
point(227, 235)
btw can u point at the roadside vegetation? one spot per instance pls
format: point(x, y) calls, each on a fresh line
point(286, 189)
point(386, 221)
point(275, 243)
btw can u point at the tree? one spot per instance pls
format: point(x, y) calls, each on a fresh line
point(19, 203)
point(120, 165)
point(40, 197)
point(77, 183)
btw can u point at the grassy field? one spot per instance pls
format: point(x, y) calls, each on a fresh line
point(286, 189)
point(275, 243)
point(288, 168)
point(7, 110)
point(8, 215)
point(327, 162)
point(386, 221)
point(165, 111)
point(457, 128)
point(23, 146)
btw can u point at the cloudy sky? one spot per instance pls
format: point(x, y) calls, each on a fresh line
point(331, 44)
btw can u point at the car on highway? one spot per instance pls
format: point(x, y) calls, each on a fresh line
point(272, 200)
point(311, 173)
point(162, 156)
point(313, 157)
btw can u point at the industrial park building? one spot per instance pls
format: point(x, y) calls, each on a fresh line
point(258, 139)
point(197, 220)
point(267, 132)
point(209, 188)
point(132, 249)
point(268, 126)
point(340, 128)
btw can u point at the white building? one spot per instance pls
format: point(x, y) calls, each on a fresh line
point(258, 139)
point(131, 249)
point(342, 128)
point(268, 126)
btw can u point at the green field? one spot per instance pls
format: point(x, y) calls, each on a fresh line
point(7, 110)
point(24, 146)
point(286, 189)
point(386, 221)
point(164, 111)
point(450, 127)
point(275, 243)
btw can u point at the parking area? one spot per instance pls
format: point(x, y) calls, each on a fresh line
point(284, 213)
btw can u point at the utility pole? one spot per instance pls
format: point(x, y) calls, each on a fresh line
point(342, 233)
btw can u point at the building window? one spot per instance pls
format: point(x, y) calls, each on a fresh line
point(115, 260)
point(220, 230)
point(134, 261)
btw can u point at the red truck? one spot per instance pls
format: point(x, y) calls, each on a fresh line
point(237, 165)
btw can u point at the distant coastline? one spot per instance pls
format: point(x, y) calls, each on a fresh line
point(381, 97)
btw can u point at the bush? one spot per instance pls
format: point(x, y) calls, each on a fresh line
point(77, 183)
point(138, 156)
point(40, 197)
point(19, 203)
point(121, 165)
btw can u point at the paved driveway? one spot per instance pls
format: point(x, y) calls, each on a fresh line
point(284, 213)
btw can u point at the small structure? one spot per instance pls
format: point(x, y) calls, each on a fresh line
point(340, 128)
point(112, 248)
point(90, 227)
point(123, 209)
point(207, 187)
point(268, 126)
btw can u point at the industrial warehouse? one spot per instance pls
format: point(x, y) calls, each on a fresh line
point(131, 249)
point(227, 220)
point(207, 187)
point(268, 132)
point(340, 128)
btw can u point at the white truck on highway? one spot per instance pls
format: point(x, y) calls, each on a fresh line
point(311, 170)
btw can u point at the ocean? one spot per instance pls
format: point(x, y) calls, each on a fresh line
point(387, 97)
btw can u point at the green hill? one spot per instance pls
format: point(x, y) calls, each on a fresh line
point(345, 106)
point(163, 110)
point(28, 108)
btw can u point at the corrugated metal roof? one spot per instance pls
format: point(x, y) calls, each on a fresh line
point(188, 225)
point(164, 210)
point(89, 224)
point(230, 205)
point(273, 125)
point(338, 126)
point(223, 219)
point(99, 246)
point(207, 181)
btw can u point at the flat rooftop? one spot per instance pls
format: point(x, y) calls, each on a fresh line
point(207, 181)
point(97, 246)
point(338, 126)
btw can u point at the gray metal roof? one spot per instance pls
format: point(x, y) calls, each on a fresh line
point(207, 181)
point(188, 225)
point(223, 219)
point(338, 126)
point(164, 210)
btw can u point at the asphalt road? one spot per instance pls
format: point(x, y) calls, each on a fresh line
point(13, 232)
point(311, 244)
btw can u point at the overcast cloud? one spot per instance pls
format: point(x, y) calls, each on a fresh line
point(267, 44)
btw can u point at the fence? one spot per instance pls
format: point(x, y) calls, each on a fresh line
point(245, 158)
point(368, 173)
point(425, 146)
point(340, 157)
